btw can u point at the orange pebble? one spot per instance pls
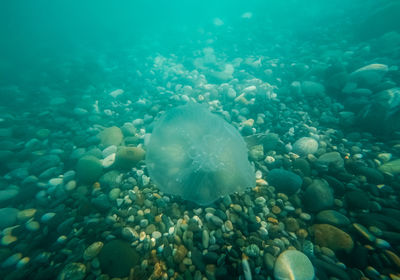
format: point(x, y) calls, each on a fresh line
point(272, 220)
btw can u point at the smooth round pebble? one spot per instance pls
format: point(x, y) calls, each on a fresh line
point(295, 265)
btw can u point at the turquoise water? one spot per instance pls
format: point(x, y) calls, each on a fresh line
point(309, 90)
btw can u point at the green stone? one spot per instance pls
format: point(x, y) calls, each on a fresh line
point(392, 167)
point(89, 169)
point(117, 258)
point(128, 157)
point(111, 136)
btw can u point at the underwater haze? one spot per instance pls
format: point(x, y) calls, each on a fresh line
point(254, 139)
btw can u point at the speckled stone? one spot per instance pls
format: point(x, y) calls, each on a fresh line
point(332, 237)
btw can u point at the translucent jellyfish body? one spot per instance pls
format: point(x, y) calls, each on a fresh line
point(197, 155)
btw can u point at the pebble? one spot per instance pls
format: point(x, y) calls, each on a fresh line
point(252, 250)
point(8, 217)
point(8, 239)
point(292, 264)
point(26, 214)
point(55, 182)
point(9, 194)
point(68, 176)
point(284, 181)
point(11, 260)
point(156, 235)
point(332, 217)
point(216, 221)
point(62, 239)
point(32, 226)
point(114, 194)
point(93, 250)
point(305, 146)
point(364, 232)
point(144, 223)
point(291, 224)
point(205, 239)
point(260, 201)
point(22, 262)
point(332, 237)
point(73, 271)
point(70, 186)
point(305, 216)
point(228, 225)
point(108, 160)
point(318, 196)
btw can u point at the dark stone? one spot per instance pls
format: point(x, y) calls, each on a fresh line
point(303, 166)
point(197, 259)
point(332, 217)
point(284, 181)
point(222, 273)
point(337, 186)
point(318, 196)
point(373, 175)
point(393, 213)
point(359, 257)
point(210, 257)
point(331, 269)
point(101, 203)
point(379, 220)
point(393, 237)
point(219, 213)
point(65, 227)
point(357, 200)
point(43, 163)
point(117, 258)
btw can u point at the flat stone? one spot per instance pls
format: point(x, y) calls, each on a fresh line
point(332, 217)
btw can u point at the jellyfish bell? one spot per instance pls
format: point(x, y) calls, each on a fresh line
point(197, 155)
